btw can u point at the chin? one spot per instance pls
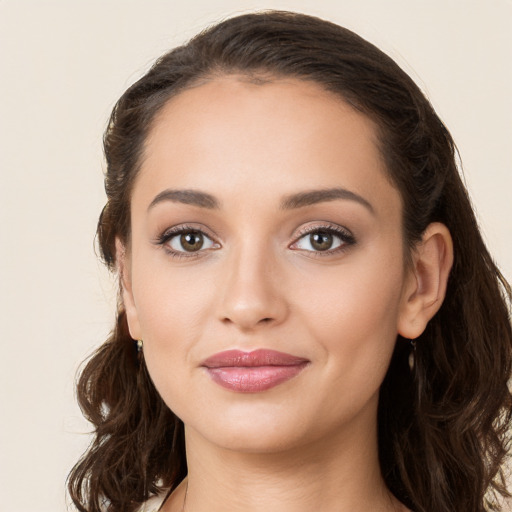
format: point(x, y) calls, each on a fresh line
point(254, 439)
point(249, 430)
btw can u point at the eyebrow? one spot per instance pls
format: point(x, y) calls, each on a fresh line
point(312, 197)
point(193, 197)
point(298, 200)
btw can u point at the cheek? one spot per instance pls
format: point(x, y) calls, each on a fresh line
point(356, 329)
point(365, 290)
point(355, 321)
point(170, 300)
point(172, 307)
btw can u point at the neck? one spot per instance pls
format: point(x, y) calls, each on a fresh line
point(337, 473)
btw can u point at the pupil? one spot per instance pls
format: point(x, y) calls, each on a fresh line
point(321, 241)
point(192, 241)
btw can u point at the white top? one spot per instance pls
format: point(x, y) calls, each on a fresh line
point(153, 504)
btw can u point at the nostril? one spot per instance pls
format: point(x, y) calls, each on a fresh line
point(244, 323)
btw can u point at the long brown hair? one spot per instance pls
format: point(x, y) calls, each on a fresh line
point(443, 426)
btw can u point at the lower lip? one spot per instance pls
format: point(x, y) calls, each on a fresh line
point(252, 379)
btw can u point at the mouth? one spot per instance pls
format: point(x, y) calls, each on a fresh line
point(252, 372)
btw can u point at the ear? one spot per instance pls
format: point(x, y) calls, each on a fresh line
point(125, 281)
point(426, 280)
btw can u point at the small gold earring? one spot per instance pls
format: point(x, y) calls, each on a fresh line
point(140, 344)
point(412, 355)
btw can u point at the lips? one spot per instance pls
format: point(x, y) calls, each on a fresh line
point(252, 372)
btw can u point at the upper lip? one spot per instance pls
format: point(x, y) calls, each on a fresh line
point(260, 357)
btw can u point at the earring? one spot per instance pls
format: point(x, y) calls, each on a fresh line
point(140, 344)
point(412, 355)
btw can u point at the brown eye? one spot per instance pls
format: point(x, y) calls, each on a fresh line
point(321, 240)
point(324, 240)
point(189, 241)
point(192, 241)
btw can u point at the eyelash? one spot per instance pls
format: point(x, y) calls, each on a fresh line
point(171, 233)
point(344, 235)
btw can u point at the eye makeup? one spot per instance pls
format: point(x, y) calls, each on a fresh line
point(323, 239)
point(318, 239)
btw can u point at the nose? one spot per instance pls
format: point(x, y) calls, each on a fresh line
point(252, 295)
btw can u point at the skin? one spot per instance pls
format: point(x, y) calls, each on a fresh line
point(308, 443)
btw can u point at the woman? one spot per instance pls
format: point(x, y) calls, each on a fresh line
point(309, 318)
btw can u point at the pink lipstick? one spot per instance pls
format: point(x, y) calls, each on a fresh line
point(251, 372)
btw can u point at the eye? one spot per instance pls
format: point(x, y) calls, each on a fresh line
point(184, 241)
point(190, 241)
point(324, 239)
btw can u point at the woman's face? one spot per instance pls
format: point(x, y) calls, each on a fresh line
point(262, 220)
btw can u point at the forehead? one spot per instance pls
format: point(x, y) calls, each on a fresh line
point(276, 136)
point(233, 102)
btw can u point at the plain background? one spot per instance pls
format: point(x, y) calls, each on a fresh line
point(62, 66)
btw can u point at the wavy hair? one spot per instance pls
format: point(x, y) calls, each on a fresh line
point(443, 428)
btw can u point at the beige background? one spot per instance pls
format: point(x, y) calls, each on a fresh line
point(62, 66)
